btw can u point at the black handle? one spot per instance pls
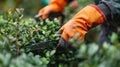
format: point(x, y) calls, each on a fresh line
point(37, 17)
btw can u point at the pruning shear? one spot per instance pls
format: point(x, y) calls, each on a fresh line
point(51, 16)
point(42, 46)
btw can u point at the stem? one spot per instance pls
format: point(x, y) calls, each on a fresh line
point(18, 48)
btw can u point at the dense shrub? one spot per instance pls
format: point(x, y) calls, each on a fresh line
point(17, 33)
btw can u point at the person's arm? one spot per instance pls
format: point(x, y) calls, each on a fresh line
point(88, 17)
point(53, 6)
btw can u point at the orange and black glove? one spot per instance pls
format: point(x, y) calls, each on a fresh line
point(54, 6)
point(84, 20)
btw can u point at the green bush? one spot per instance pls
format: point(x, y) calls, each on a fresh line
point(16, 33)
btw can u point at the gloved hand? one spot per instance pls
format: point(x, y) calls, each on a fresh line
point(84, 20)
point(53, 6)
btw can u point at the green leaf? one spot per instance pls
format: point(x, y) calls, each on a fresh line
point(52, 52)
point(92, 49)
point(114, 37)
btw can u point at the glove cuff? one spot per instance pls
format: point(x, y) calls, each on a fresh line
point(105, 10)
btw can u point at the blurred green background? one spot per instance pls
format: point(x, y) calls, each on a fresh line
point(31, 7)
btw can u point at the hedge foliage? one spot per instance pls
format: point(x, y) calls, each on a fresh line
point(16, 33)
